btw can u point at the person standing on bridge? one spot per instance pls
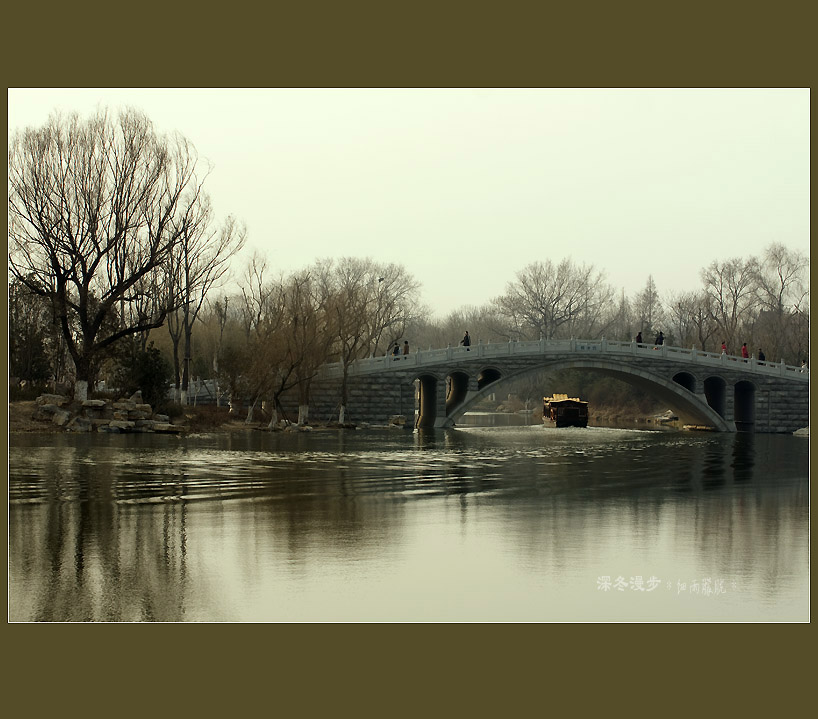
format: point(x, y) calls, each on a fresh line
point(761, 355)
point(466, 341)
point(724, 347)
point(396, 352)
point(744, 352)
point(405, 347)
point(639, 338)
point(660, 339)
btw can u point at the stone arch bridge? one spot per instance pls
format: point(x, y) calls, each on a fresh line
point(436, 387)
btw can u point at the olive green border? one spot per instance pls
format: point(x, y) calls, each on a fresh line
point(454, 670)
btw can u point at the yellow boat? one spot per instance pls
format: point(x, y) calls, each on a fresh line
point(565, 411)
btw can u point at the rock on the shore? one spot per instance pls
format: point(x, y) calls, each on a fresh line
point(61, 417)
point(79, 424)
point(124, 415)
point(52, 399)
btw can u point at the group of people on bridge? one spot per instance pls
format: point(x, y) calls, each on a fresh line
point(396, 350)
point(745, 353)
point(658, 342)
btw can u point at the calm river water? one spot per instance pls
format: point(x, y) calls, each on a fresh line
point(475, 524)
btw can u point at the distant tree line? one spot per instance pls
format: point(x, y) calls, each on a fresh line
point(763, 301)
point(112, 237)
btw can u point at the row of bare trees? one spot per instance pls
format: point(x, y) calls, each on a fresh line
point(273, 334)
point(763, 301)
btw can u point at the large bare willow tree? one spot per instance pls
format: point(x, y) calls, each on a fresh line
point(96, 208)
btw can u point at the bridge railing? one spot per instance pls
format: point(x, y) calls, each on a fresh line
point(602, 346)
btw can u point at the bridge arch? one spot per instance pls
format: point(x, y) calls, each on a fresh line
point(457, 386)
point(427, 399)
point(715, 392)
point(487, 376)
point(686, 380)
point(691, 407)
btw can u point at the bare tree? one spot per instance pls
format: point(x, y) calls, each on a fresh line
point(94, 210)
point(623, 323)
point(730, 287)
point(348, 286)
point(681, 318)
point(394, 305)
point(783, 281)
point(648, 309)
point(197, 264)
point(269, 369)
point(483, 324)
point(306, 334)
point(555, 300)
point(284, 339)
point(365, 302)
point(220, 312)
point(783, 296)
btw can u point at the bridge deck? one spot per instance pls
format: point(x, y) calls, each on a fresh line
point(597, 348)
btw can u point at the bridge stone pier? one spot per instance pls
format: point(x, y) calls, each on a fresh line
point(435, 388)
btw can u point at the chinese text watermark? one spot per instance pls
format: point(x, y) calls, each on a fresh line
point(705, 587)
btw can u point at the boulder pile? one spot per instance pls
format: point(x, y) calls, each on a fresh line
point(102, 415)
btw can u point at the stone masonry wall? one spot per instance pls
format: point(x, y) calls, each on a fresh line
point(371, 399)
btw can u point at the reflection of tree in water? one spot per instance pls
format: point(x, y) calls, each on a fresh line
point(111, 545)
point(97, 559)
point(127, 566)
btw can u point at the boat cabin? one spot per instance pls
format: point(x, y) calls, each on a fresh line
point(565, 411)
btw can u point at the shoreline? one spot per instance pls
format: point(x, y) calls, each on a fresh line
point(196, 421)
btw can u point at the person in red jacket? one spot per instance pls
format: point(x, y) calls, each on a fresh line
point(744, 353)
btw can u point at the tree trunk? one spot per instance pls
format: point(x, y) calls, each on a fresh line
point(81, 390)
point(303, 401)
point(303, 414)
point(83, 373)
point(273, 418)
point(250, 411)
point(186, 359)
point(344, 392)
point(177, 377)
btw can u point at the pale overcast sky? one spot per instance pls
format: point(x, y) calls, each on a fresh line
point(466, 187)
